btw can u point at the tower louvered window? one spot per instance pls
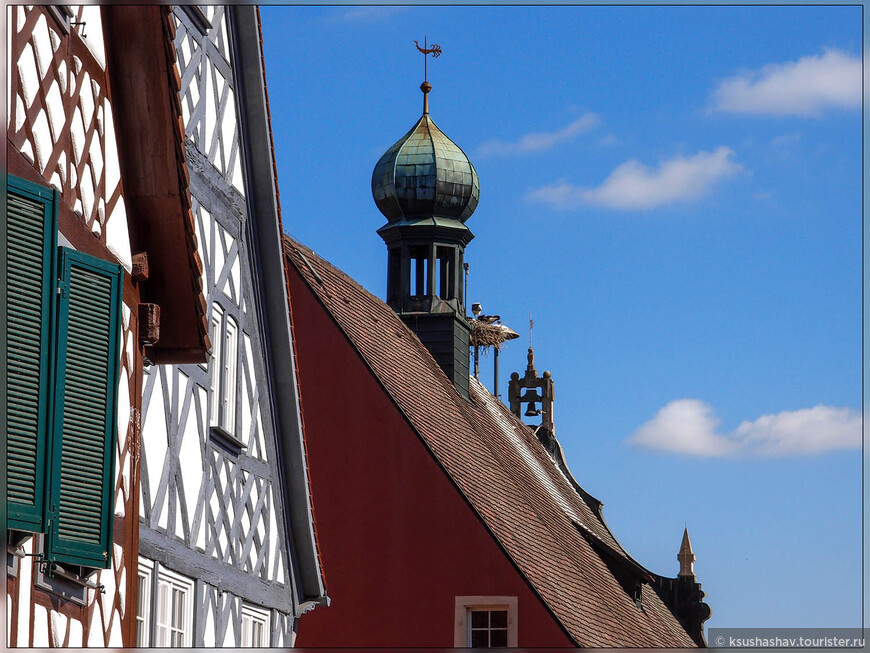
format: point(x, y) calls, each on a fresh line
point(63, 311)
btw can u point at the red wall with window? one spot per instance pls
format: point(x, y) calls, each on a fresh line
point(398, 540)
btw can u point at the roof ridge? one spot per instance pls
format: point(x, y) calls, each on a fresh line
point(476, 449)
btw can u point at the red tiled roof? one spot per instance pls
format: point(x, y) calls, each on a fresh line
point(525, 501)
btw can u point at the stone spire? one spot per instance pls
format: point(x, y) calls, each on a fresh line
point(686, 556)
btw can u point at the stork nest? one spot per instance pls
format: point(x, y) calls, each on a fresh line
point(488, 335)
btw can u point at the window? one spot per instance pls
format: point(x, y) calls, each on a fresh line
point(485, 621)
point(255, 626)
point(487, 628)
point(62, 358)
point(217, 328)
point(228, 391)
point(224, 365)
point(64, 15)
point(198, 17)
point(174, 611)
point(143, 614)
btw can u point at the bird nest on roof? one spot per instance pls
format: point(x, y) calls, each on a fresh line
point(485, 334)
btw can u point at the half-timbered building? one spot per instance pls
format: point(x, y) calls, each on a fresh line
point(82, 213)
point(158, 492)
point(227, 552)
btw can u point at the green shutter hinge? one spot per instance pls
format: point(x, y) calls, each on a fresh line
point(45, 566)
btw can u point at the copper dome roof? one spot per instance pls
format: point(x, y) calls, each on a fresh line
point(425, 175)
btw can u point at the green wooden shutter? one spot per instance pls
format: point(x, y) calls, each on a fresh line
point(85, 423)
point(31, 237)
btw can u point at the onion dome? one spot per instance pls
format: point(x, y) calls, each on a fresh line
point(425, 175)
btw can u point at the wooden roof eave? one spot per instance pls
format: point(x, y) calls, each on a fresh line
point(266, 249)
point(146, 108)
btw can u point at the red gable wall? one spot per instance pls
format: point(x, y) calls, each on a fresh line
point(397, 539)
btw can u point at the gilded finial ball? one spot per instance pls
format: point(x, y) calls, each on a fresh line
point(425, 87)
point(547, 374)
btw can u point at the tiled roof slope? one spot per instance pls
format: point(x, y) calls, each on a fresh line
point(502, 469)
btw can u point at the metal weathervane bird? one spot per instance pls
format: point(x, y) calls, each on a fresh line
point(435, 51)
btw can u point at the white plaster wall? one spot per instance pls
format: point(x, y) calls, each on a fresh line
point(190, 459)
point(76, 633)
point(117, 234)
point(25, 582)
point(208, 631)
point(40, 627)
point(58, 624)
point(95, 632)
point(8, 620)
point(90, 14)
point(154, 434)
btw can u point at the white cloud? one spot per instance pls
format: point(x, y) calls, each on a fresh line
point(540, 141)
point(684, 426)
point(688, 426)
point(804, 87)
point(806, 431)
point(634, 186)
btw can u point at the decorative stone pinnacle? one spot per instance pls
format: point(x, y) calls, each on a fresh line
point(686, 556)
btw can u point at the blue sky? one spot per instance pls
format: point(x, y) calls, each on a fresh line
point(674, 194)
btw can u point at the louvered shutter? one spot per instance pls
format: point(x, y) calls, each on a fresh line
point(85, 423)
point(31, 237)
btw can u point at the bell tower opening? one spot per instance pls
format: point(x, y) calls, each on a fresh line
point(420, 271)
point(446, 257)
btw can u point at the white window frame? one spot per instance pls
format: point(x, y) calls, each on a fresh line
point(143, 609)
point(255, 616)
point(169, 587)
point(223, 381)
point(230, 375)
point(217, 341)
point(462, 617)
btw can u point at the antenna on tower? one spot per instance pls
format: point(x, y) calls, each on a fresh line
point(465, 294)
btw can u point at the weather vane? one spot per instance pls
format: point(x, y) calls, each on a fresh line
point(435, 51)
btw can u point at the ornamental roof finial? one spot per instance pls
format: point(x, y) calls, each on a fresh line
point(435, 51)
point(686, 556)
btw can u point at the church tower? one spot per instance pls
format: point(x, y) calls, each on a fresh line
point(427, 188)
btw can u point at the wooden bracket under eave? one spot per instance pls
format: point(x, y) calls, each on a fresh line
point(149, 324)
point(140, 267)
